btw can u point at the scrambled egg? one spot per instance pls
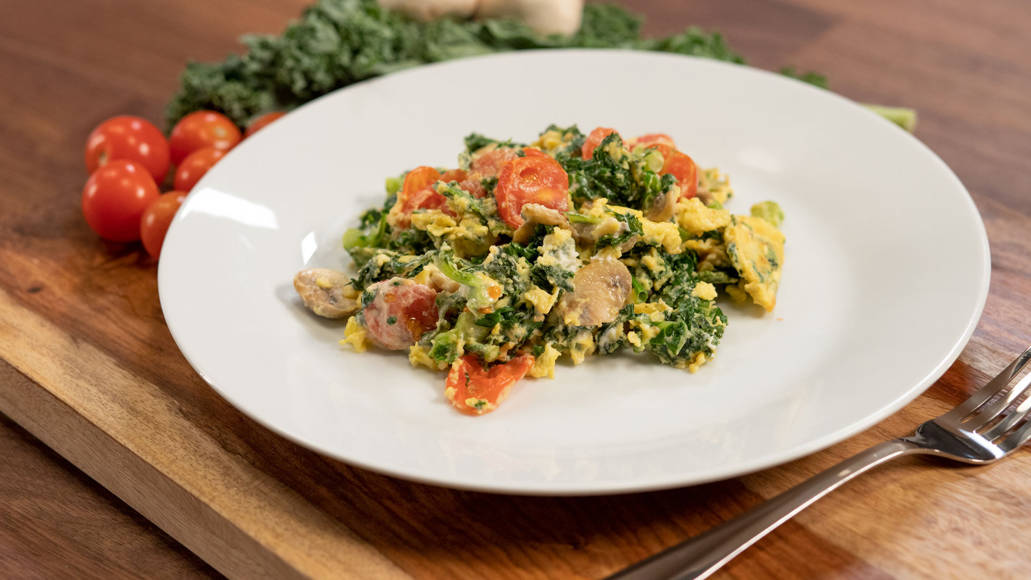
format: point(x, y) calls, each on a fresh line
point(355, 335)
point(697, 219)
point(544, 364)
point(542, 301)
point(756, 249)
point(705, 291)
point(714, 186)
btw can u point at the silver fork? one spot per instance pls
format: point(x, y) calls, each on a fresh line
point(988, 426)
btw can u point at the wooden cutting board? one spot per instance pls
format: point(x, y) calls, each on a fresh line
point(90, 369)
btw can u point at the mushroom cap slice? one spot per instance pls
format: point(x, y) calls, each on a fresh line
point(535, 213)
point(663, 206)
point(327, 293)
point(600, 290)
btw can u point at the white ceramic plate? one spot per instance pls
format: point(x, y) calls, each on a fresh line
point(886, 274)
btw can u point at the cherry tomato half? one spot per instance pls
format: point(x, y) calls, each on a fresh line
point(262, 122)
point(115, 197)
point(418, 179)
point(156, 219)
point(487, 162)
point(594, 139)
point(202, 129)
point(475, 390)
point(651, 139)
point(195, 166)
point(418, 193)
point(682, 167)
point(531, 179)
point(129, 138)
point(458, 175)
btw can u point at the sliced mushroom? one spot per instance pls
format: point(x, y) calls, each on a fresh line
point(535, 213)
point(434, 278)
point(326, 292)
point(589, 234)
point(432, 9)
point(600, 290)
point(544, 16)
point(705, 195)
point(662, 207)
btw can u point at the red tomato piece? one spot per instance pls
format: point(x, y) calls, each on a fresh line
point(115, 197)
point(129, 138)
point(202, 129)
point(400, 312)
point(466, 181)
point(473, 185)
point(594, 139)
point(417, 193)
point(419, 178)
point(475, 390)
point(195, 166)
point(262, 122)
point(487, 162)
point(458, 175)
point(426, 198)
point(156, 219)
point(532, 179)
point(651, 139)
point(681, 166)
point(534, 152)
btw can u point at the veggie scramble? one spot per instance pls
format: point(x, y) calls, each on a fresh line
point(571, 246)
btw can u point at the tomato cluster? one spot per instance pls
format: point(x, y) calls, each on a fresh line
point(675, 162)
point(128, 160)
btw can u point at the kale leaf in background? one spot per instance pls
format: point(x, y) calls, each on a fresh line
point(339, 42)
point(813, 78)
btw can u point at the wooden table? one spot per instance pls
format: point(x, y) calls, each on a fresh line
point(90, 369)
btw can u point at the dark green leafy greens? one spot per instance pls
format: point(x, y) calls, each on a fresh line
point(622, 178)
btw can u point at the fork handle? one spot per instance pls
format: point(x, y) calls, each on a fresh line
point(700, 556)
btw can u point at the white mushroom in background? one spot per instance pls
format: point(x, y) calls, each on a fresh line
point(544, 16)
point(430, 9)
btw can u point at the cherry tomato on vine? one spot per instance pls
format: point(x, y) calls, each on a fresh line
point(156, 218)
point(115, 197)
point(195, 166)
point(202, 129)
point(129, 138)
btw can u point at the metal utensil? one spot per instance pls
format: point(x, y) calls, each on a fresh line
point(988, 426)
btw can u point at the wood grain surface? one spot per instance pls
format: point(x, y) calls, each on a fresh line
point(90, 369)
